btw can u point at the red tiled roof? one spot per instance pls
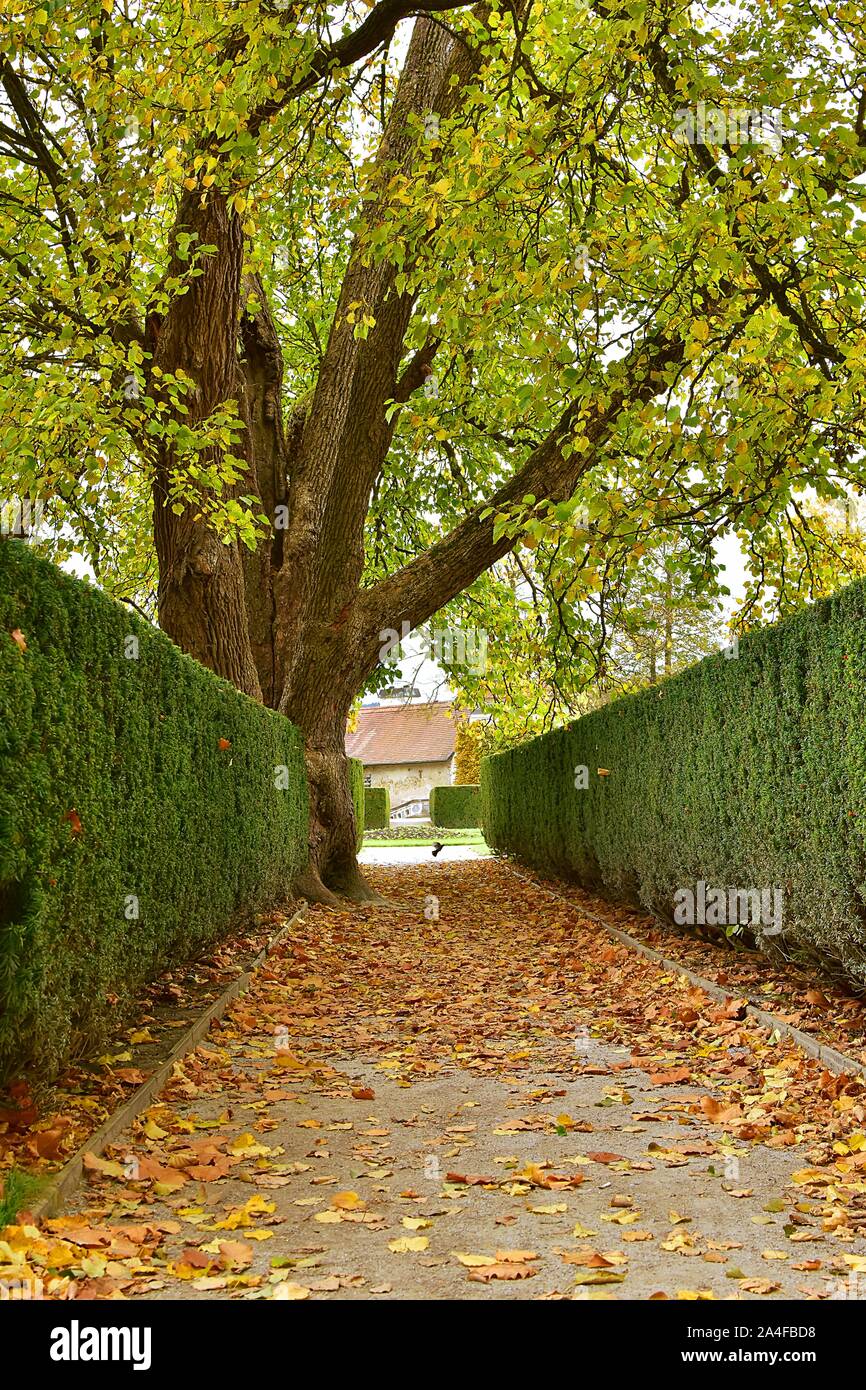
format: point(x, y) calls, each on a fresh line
point(402, 734)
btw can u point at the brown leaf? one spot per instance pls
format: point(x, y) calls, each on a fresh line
point(817, 999)
point(130, 1076)
point(672, 1077)
point(486, 1273)
point(235, 1254)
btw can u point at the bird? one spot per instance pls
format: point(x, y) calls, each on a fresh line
point(437, 845)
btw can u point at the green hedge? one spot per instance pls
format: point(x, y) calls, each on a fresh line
point(745, 772)
point(377, 808)
point(356, 783)
point(454, 807)
point(132, 780)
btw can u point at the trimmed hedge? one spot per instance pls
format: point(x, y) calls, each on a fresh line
point(746, 772)
point(144, 804)
point(356, 785)
point(377, 808)
point(455, 806)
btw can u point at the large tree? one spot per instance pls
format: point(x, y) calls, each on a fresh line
point(321, 310)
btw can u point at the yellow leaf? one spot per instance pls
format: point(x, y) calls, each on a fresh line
point(247, 1146)
point(242, 1216)
point(405, 1245)
point(348, 1201)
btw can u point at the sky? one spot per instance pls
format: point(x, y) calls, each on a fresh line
point(428, 678)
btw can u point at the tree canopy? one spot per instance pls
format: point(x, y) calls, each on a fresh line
point(573, 280)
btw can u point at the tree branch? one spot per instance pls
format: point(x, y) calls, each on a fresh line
point(376, 29)
point(426, 584)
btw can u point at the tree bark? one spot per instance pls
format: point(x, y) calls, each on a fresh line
point(201, 579)
point(262, 367)
point(669, 629)
point(290, 623)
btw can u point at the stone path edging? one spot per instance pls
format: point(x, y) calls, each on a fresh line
point(832, 1059)
point(67, 1180)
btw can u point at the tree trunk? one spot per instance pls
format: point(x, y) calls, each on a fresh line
point(201, 581)
point(290, 623)
point(320, 708)
point(669, 630)
point(332, 871)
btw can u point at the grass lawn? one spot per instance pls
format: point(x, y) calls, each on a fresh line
point(474, 840)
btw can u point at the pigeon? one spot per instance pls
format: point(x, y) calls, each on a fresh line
point(436, 847)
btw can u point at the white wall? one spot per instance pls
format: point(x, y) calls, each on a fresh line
point(407, 780)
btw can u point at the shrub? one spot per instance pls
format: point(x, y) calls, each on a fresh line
point(144, 804)
point(356, 783)
point(377, 808)
point(468, 741)
point(745, 773)
point(454, 806)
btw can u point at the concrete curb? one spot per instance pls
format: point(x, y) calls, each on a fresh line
point(833, 1060)
point(68, 1178)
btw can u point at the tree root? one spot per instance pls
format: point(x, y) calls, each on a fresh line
point(352, 889)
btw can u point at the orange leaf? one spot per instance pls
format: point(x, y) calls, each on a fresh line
point(348, 1201)
point(501, 1271)
point(672, 1077)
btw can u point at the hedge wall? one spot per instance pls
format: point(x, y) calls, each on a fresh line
point(356, 783)
point(744, 772)
point(143, 804)
point(377, 808)
point(454, 807)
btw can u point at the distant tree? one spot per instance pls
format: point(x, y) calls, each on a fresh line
point(660, 625)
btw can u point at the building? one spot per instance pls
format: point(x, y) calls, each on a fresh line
point(406, 748)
